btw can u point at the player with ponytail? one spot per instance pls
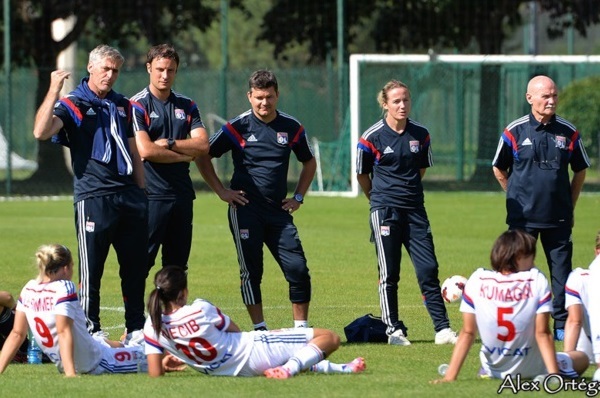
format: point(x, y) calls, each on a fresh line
point(170, 286)
point(200, 335)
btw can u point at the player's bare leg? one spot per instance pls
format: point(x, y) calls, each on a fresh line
point(312, 357)
point(300, 313)
point(256, 314)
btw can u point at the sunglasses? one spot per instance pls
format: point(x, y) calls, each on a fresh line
point(544, 155)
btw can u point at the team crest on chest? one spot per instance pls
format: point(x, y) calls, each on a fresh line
point(561, 142)
point(121, 111)
point(179, 114)
point(244, 233)
point(282, 138)
point(414, 146)
point(384, 230)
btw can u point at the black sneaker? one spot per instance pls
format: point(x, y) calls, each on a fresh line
point(260, 329)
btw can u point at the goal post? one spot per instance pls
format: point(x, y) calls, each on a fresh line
point(464, 100)
point(450, 95)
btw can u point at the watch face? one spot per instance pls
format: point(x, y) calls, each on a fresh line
point(298, 197)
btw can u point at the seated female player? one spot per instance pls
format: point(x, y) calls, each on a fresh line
point(510, 306)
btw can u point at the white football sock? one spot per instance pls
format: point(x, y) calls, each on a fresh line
point(300, 324)
point(326, 366)
point(304, 358)
point(262, 324)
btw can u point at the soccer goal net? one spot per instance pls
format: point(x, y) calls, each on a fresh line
point(464, 100)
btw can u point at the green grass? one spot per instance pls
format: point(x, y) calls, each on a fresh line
point(335, 234)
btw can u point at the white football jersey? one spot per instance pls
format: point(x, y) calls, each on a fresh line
point(505, 307)
point(577, 293)
point(594, 313)
point(41, 302)
point(196, 334)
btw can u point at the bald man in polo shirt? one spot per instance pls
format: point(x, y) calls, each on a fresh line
point(532, 165)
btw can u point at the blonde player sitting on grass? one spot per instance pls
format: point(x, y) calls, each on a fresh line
point(50, 307)
point(210, 342)
point(579, 305)
point(510, 306)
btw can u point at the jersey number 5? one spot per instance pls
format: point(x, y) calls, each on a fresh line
point(502, 322)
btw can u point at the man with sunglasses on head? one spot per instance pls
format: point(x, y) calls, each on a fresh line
point(532, 166)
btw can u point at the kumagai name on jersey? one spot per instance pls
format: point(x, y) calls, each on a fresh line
point(506, 293)
point(505, 307)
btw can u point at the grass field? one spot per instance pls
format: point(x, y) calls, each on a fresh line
point(335, 235)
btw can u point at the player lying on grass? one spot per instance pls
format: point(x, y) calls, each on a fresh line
point(50, 307)
point(510, 306)
point(210, 342)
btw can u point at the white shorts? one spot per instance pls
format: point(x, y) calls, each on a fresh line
point(273, 348)
point(121, 360)
point(564, 361)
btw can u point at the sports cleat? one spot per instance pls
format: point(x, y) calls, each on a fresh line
point(482, 374)
point(446, 336)
point(134, 338)
point(398, 338)
point(559, 335)
point(101, 334)
point(260, 329)
point(357, 365)
point(278, 373)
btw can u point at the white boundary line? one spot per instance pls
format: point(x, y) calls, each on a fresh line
point(50, 198)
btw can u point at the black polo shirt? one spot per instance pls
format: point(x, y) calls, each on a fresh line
point(395, 161)
point(174, 118)
point(537, 157)
point(261, 153)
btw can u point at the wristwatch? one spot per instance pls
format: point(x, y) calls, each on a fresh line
point(298, 197)
point(170, 143)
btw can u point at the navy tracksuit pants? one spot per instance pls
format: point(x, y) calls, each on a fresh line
point(392, 228)
point(558, 247)
point(121, 220)
point(252, 226)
